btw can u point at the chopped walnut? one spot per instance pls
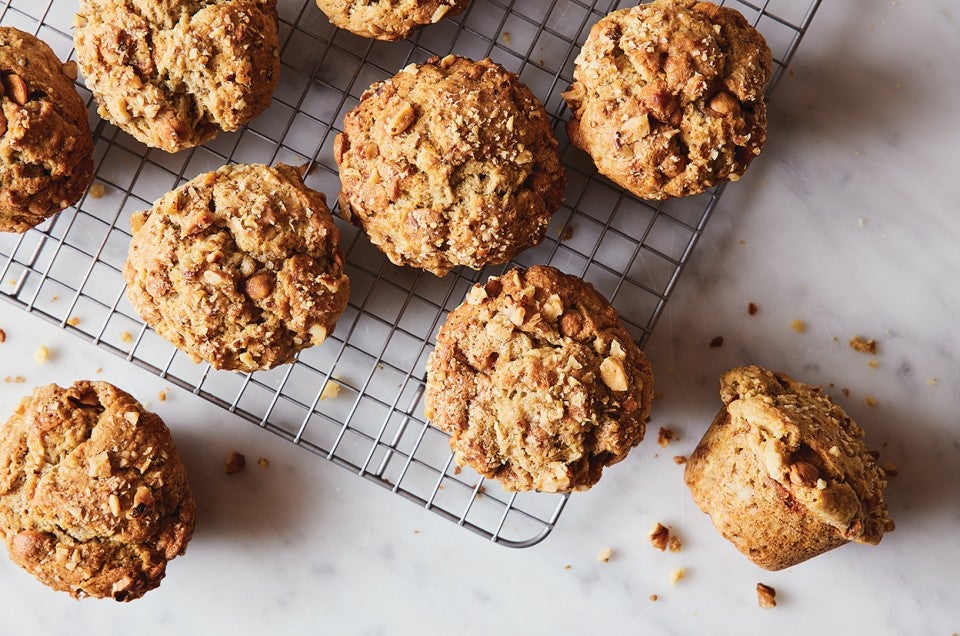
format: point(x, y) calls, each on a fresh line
point(330, 391)
point(659, 537)
point(613, 374)
point(16, 88)
point(766, 596)
point(73, 321)
point(803, 473)
point(890, 469)
point(679, 460)
point(863, 345)
point(402, 119)
point(234, 463)
point(97, 190)
point(41, 354)
point(263, 462)
point(674, 543)
point(665, 436)
point(605, 555)
point(716, 342)
point(677, 575)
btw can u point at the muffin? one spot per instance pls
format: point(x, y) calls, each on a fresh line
point(240, 267)
point(783, 471)
point(451, 162)
point(668, 97)
point(175, 74)
point(46, 150)
point(537, 382)
point(93, 498)
point(388, 19)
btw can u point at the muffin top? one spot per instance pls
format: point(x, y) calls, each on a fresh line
point(46, 150)
point(174, 73)
point(451, 162)
point(240, 267)
point(668, 96)
point(537, 382)
point(388, 19)
point(93, 497)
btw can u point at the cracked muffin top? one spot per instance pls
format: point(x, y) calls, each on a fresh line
point(46, 150)
point(174, 73)
point(94, 500)
point(451, 162)
point(388, 19)
point(537, 382)
point(668, 97)
point(240, 267)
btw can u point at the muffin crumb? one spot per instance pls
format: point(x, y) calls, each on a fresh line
point(677, 575)
point(798, 325)
point(665, 436)
point(605, 555)
point(863, 345)
point(234, 463)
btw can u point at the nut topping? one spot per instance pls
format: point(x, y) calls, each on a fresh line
point(613, 374)
point(259, 286)
point(725, 104)
point(402, 119)
point(17, 88)
point(803, 473)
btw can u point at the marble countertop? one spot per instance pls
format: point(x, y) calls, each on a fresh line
point(848, 221)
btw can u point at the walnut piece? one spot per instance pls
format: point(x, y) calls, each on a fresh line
point(16, 88)
point(804, 474)
point(766, 596)
point(613, 374)
point(402, 119)
point(659, 537)
point(234, 463)
point(259, 286)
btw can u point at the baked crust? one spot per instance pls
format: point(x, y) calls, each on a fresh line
point(537, 382)
point(668, 97)
point(46, 150)
point(784, 473)
point(240, 267)
point(94, 500)
point(451, 162)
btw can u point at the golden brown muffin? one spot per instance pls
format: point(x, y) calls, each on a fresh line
point(388, 19)
point(451, 162)
point(93, 498)
point(537, 382)
point(174, 73)
point(783, 471)
point(46, 150)
point(240, 267)
point(668, 97)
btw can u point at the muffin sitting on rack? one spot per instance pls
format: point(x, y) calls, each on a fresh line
point(668, 97)
point(388, 19)
point(175, 74)
point(451, 162)
point(46, 151)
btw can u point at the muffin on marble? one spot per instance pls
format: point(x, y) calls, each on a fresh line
point(451, 162)
point(46, 150)
point(537, 382)
point(175, 74)
point(240, 267)
point(388, 19)
point(94, 500)
point(783, 471)
point(668, 97)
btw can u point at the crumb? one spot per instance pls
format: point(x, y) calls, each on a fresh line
point(3, 335)
point(873, 364)
point(566, 233)
point(481, 490)
point(74, 321)
point(330, 391)
point(680, 460)
point(54, 298)
point(14, 380)
point(931, 381)
point(766, 596)
point(653, 597)
point(659, 536)
point(742, 242)
point(890, 469)
point(845, 391)
point(263, 462)
point(162, 396)
point(42, 354)
point(99, 370)
point(798, 325)
point(605, 555)
point(863, 345)
point(97, 190)
point(658, 395)
point(234, 463)
point(457, 470)
point(567, 567)
point(752, 309)
point(716, 342)
point(862, 222)
point(416, 532)
point(126, 336)
point(506, 37)
point(677, 575)
point(665, 436)
point(12, 281)
point(674, 543)
point(870, 400)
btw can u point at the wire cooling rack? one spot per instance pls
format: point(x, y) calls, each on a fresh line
point(357, 399)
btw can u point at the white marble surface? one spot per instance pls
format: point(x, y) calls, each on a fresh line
point(849, 221)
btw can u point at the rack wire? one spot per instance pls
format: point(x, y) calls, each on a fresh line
point(357, 399)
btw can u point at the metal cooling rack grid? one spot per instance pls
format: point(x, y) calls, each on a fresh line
point(632, 251)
